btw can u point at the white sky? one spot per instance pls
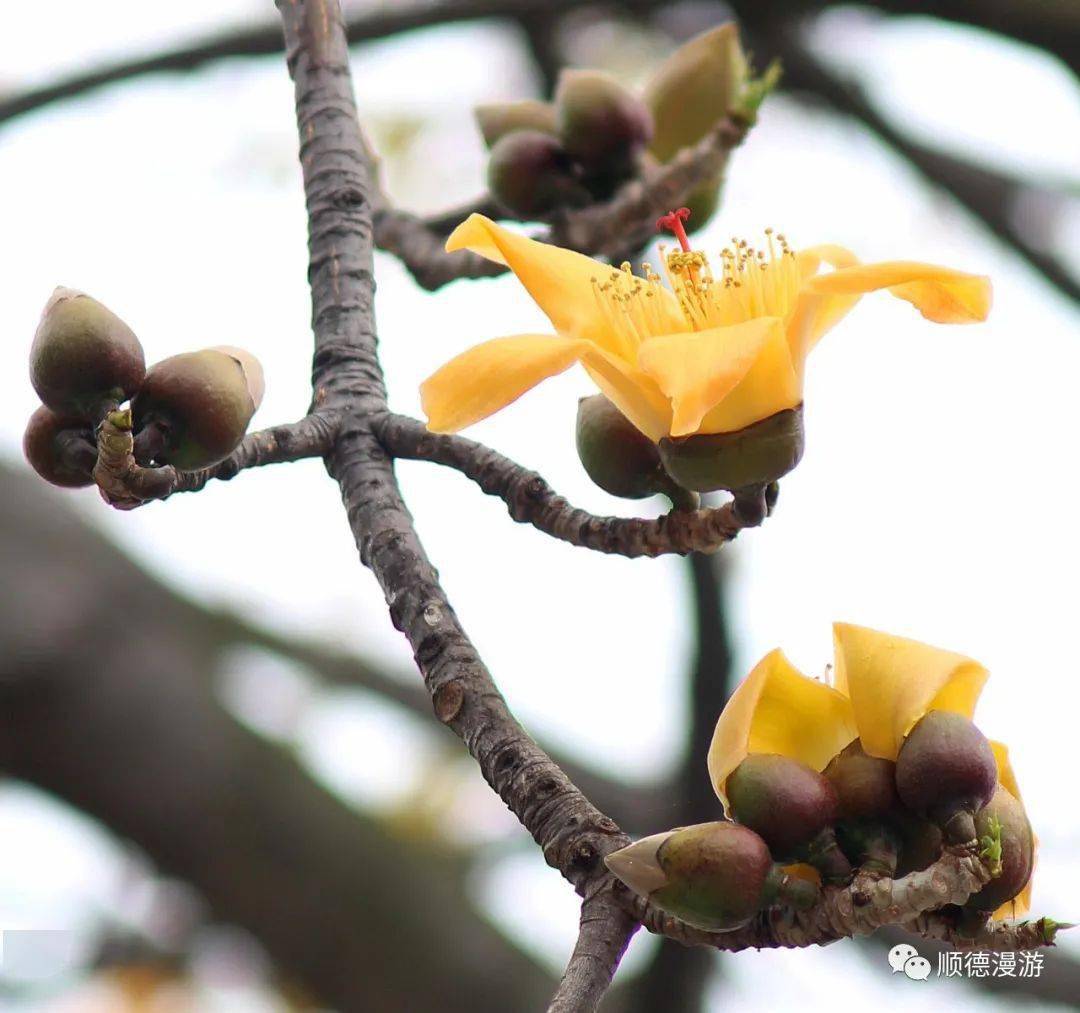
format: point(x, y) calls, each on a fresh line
point(936, 496)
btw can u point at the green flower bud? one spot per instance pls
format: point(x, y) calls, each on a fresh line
point(1003, 821)
point(755, 456)
point(618, 457)
point(83, 358)
point(715, 876)
point(600, 123)
point(784, 801)
point(199, 404)
point(865, 785)
point(946, 770)
point(60, 448)
point(497, 119)
point(694, 88)
point(792, 807)
point(531, 175)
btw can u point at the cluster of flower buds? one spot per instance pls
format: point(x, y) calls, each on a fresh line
point(189, 411)
point(595, 135)
point(867, 808)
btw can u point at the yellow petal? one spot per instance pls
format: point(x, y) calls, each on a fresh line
point(816, 313)
point(892, 682)
point(560, 281)
point(697, 369)
point(770, 386)
point(633, 392)
point(938, 293)
point(777, 709)
point(1019, 906)
point(490, 376)
point(1006, 776)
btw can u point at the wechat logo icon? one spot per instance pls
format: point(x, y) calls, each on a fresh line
point(904, 957)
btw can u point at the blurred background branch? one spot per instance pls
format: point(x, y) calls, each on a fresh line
point(993, 196)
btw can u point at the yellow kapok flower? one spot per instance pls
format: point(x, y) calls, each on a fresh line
point(883, 685)
point(718, 351)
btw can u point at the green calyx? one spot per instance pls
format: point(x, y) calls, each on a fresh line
point(619, 458)
point(784, 801)
point(1007, 845)
point(711, 875)
point(946, 770)
point(751, 457)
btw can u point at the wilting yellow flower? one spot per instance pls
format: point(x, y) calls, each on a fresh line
point(713, 353)
point(883, 685)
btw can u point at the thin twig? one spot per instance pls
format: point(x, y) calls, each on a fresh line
point(856, 910)
point(603, 935)
point(126, 485)
point(608, 229)
point(531, 500)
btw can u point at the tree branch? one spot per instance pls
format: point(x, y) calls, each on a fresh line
point(607, 229)
point(574, 835)
point(531, 500)
point(860, 909)
point(264, 40)
point(605, 931)
point(1045, 24)
point(126, 485)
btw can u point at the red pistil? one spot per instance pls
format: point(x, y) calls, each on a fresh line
point(673, 222)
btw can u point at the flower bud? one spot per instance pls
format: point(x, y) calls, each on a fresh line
point(694, 88)
point(60, 448)
point(199, 405)
point(946, 770)
point(713, 876)
point(83, 358)
point(754, 456)
point(784, 801)
point(865, 785)
point(530, 174)
point(618, 457)
point(1003, 824)
point(792, 807)
point(497, 119)
point(600, 123)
